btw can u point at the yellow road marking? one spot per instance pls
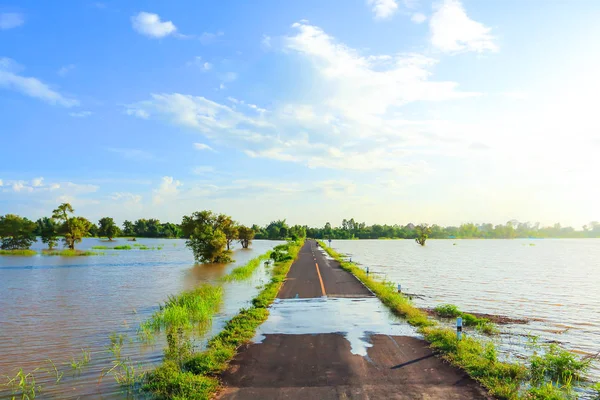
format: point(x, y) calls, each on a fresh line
point(321, 280)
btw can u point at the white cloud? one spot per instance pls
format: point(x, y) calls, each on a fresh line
point(33, 87)
point(198, 62)
point(150, 25)
point(65, 70)
point(81, 114)
point(126, 197)
point(352, 123)
point(207, 66)
point(138, 113)
point(383, 8)
point(208, 38)
point(453, 31)
point(36, 182)
point(11, 20)
point(168, 190)
point(202, 146)
point(516, 95)
point(1, 183)
point(418, 18)
point(266, 42)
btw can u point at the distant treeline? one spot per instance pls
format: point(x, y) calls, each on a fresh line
point(350, 229)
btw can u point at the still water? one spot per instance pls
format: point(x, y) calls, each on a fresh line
point(553, 282)
point(53, 307)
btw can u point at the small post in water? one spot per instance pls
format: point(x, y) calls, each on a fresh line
point(367, 271)
point(459, 328)
point(399, 288)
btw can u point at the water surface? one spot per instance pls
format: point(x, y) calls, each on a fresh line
point(53, 307)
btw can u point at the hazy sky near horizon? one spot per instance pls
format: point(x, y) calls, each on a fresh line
point(388, 111)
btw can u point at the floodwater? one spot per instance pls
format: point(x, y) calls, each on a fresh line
point(553, 282)
point(53, 307)
point(354, 318)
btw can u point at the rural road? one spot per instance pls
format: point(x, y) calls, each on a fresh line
point(322, 366)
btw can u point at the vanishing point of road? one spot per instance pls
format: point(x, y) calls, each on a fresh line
point(321, 366)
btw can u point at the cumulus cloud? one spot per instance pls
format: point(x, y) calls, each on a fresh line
point(168, 190)
point(453, 31)
point(383, 8)
point(10, 78)
point(352, 123)
point(11, 20)
point(149, 24)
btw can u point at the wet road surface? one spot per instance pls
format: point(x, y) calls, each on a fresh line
point(301, 365)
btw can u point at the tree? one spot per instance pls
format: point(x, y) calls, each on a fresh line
point(423, 231)
point(72, 228)
point(16, 233)
point(205, 237)
point(128, 229)
point(245, 236)
point(228, 227)
point(48, 231)
point(108, 228)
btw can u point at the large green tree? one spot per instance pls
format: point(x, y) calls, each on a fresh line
point(108, 228)
point(229, 228)
point(16, 233)
point(48, 231)
point(206, 237)
point(245, 236)
point(73, 229)
point(128, 228)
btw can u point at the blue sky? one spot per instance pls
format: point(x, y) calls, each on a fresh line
point(388, 111)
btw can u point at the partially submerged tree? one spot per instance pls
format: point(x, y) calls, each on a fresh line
point(229, 228)
point(72, 228)
point(108, 228)
point(245, 236)
point(16, 233)
point(206, 237)
point(423, 231)
point(48, 231)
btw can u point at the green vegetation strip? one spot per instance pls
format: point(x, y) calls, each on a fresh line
point(192, 376)
point(481, 324)
point(70, 253)
point(549, 376)
point(18, 252)
point(246, 271)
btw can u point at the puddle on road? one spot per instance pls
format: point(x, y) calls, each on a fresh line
point(355, 319)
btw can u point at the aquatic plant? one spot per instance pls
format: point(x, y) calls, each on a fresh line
point(557, 365)
point(122, 247)
point(18, 252)
point(23, 385)
point(116, 344)
point(596, 389)
point(55, 372)
point(483, 325)
point(100, 247)
point(246, 271)
point(70, 253)
point(186, 310)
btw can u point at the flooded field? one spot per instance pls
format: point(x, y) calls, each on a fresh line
point(62, 308)
point(555, 283)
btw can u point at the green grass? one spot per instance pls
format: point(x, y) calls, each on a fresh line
point(483, 325)
point(100, 247)
point(18, 252)
point(186, 310)
point(70, 253)
point(478, 358)
point(194, 377)
point(246, 271)
point(122, 247)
